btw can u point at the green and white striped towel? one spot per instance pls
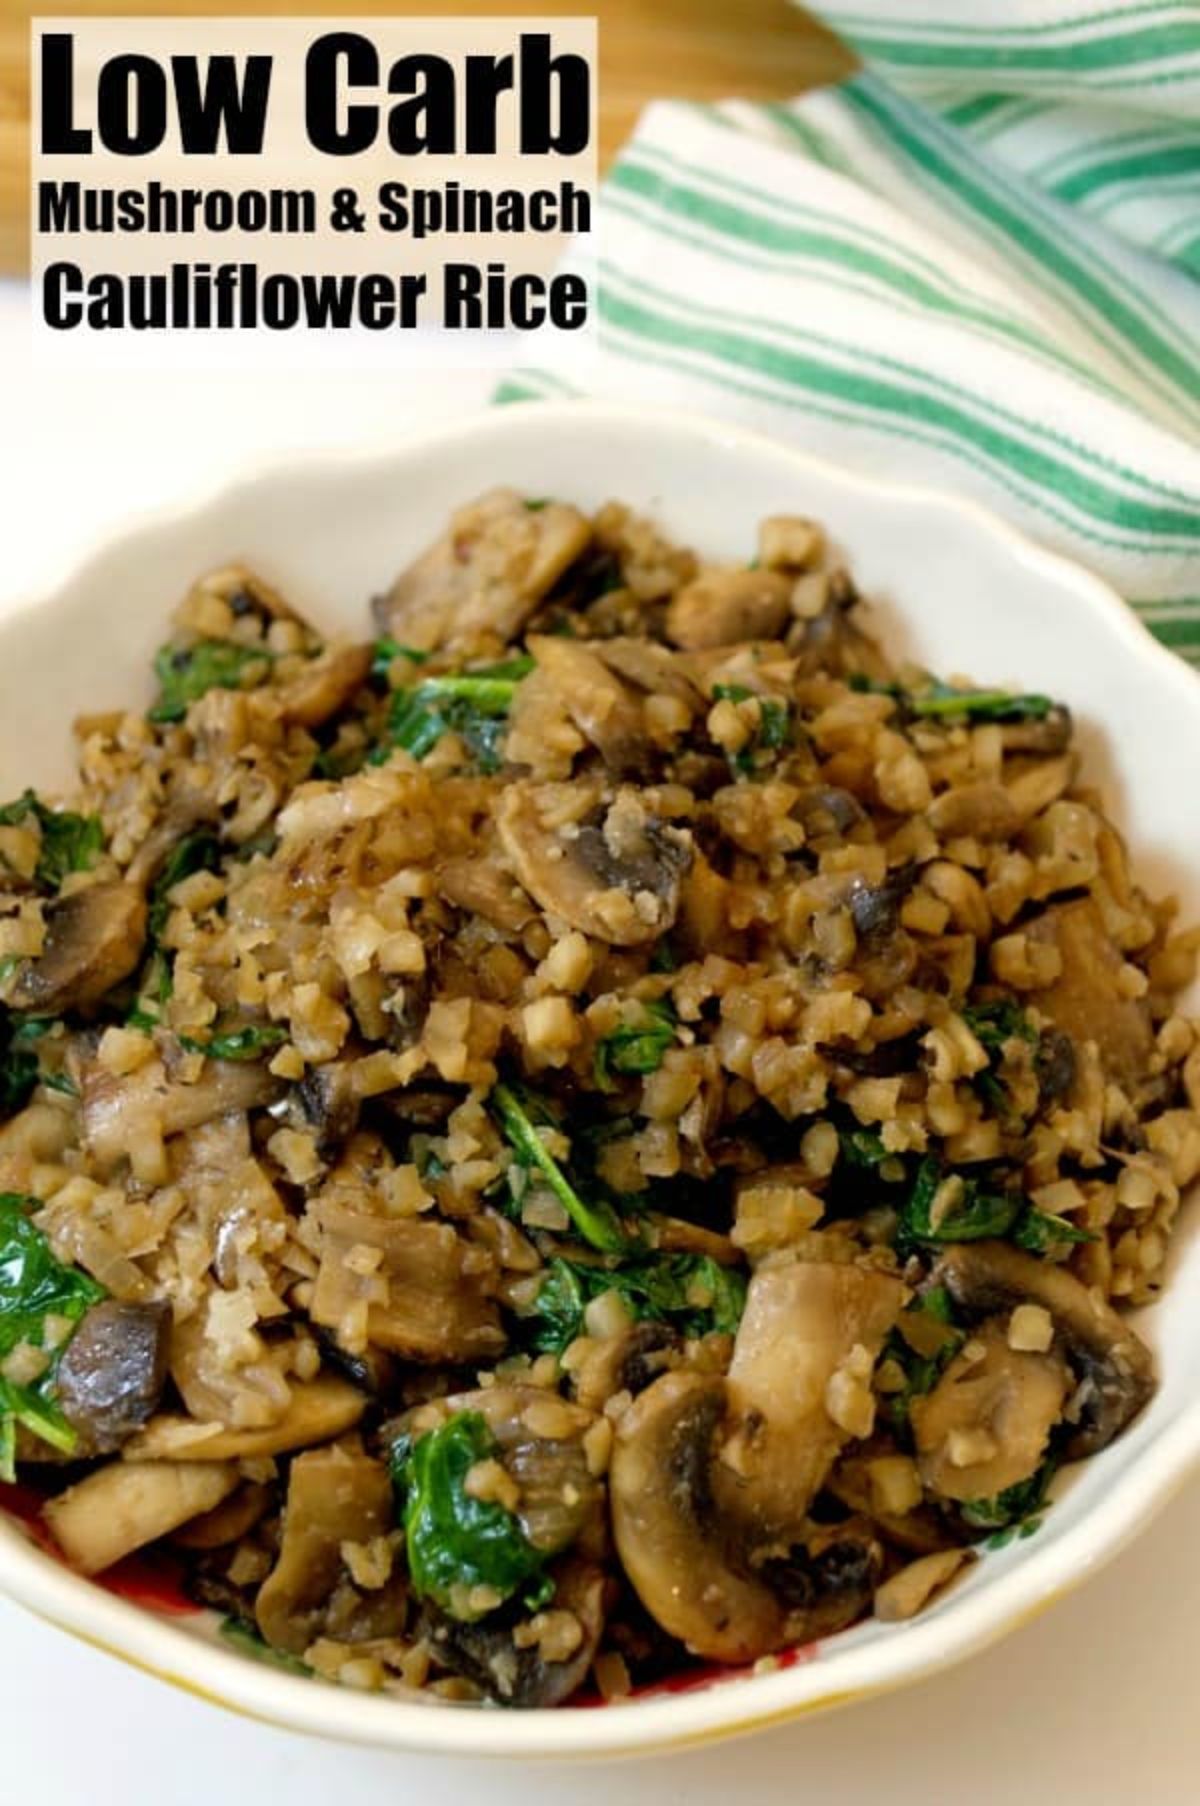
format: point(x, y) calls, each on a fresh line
point(976, 265)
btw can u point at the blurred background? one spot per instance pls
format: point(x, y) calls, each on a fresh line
point(649, 49)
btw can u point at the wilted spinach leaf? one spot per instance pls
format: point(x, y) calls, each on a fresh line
point(979, 1212)
point(198, 852)
point(1015, 1505)
point(456, 1542)
point(34, 1285)
point(185, 673)
point(773, 732)
point(521, 1114)
point(636, 1048)
point(70, 843)
point(473, 704)
point(691, 1291)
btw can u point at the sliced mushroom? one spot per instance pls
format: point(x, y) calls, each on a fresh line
point(601, 706)
point(624, 1363)
point(326, 685)
point(664, 1522)
point(228, 1522)
point(335, 1496)
point(887, 954)
point(485, 1652)
point(921, 1531)
point(617, 878)
point(711, 1480)
point(983, 810)
point(121, 1111)
point(652, 668)
point(723, 608)
point(695, 1577)
point(832, 640)
point(94, 939)
point(111, 1376)
point(487, 574)
point(483, 887)
point(801, 1324)
point(326, 1104)
point(827, 812)
point(1085, 1001)
point(318, 1410)
point(1113, 1364)
point(986, 1425)
point(437, 1304)
point(128, 1504)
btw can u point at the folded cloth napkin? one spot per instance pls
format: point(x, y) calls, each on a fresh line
point(975, 265)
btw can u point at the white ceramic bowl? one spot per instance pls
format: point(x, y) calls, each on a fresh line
point(958, 591)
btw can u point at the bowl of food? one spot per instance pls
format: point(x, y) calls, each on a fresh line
point(597, 1094)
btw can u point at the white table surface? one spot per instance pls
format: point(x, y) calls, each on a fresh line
point(1095, 1704)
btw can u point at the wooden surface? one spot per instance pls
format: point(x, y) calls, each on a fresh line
point(701, 49)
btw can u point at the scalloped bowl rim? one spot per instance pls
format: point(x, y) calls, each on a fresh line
point(1039, 1573)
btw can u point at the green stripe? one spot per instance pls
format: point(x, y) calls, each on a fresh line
point(1174, 160)
point(1188, 256)
point(1020, 229)
point(1151, 44)
point(1185, 632)
point(816, 145)
point(975, 110)
point(1024, 108)
point(877, 270)
point(664, 357)
point(1176, 233)
point(849, 22)
point(726, 336)
point(1087, 148)
point(1172, 607)
point(1103, 205)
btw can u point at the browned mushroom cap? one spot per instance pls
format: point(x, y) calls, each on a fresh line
point(487, 574)
point(484, 1650)
point(986, 1425)
point(617, 877)
point(666, 1528)
point(1114, 1365)
point(1085, 1001)
point(437, 1305)
point(711, 1480)
point(699, 1579)
point(93, 940)
point(325, 685)
point(335, 1496)
point(722, 608)
point(111, 1377)
point(601, 706)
